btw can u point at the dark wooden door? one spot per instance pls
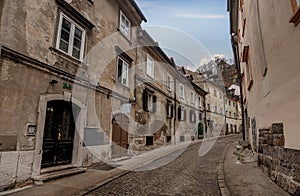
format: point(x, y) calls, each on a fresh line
point(58, 134)
point(119, 137)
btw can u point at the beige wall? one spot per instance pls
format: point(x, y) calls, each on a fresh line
point(274, 97)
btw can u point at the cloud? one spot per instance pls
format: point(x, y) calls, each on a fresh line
point(201, 16)
point(206, 60)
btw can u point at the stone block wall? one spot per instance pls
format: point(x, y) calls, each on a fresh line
point(281, 164)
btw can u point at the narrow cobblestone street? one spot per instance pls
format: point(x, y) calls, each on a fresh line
point(188, 174)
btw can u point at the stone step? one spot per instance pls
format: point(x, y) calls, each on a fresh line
point(58, 174)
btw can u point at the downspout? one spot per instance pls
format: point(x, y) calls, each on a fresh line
point(237, 63)
point(175, 106)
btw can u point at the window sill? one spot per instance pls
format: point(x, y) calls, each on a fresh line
point(128, 39)
point(65, 56)
point(122, 85)
point(296, 17)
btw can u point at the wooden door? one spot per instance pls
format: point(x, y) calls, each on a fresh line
point(58, 134)
point(120, 136)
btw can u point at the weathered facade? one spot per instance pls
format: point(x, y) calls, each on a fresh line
point(232, 113)
point(56, 99)
point(265, 46)
point(82, 83)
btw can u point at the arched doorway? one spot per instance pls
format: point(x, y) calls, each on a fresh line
point(120, 124)
point(200, 130)
point(59, 132)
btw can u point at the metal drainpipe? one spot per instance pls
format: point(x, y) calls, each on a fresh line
point(237, 62)
point(175, 106)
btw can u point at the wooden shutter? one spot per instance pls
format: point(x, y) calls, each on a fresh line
point(179, 113)
point(145, 100)
point(154, 99)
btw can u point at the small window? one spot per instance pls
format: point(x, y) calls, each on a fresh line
point(169, 109)
point(181, 113)
point(220, 95)
point(71, 38)
point(150, 67)
point(192, 116)
point(122, 72)
point(169, 82)
point(229, 114)
point(200, 116)
point(192, 97)
point(149, 101)
point(216, 109)
point(208, 107)
point(229, 103)
point(207, 88)
point(246, 59)
point(215, 92)
point(181, 91)
point(199, 101)
point(149, 140)
point(125, 25)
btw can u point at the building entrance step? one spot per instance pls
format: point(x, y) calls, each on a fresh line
point(52, 175)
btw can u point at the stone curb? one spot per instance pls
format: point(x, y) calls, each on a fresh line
point(221, 176)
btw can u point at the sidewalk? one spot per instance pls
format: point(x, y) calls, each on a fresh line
point(93, 178)
point(247, 178)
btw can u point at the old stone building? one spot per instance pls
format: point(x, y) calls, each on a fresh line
point(232, 112)
point(58, 85)
point(266, 48)
point(82, 83)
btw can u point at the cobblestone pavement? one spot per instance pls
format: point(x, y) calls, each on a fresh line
point(188, 174)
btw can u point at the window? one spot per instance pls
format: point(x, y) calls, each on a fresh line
point(149, 101)
point(125, 25)
point(296, 9)
point(200, 116)
point(181, 91)
point(221, 110)
point(181, 113)
point(169, 82)
point(220, 95)
point(216, 109)
point(169, 109)
point(150, 67)
point(208, 107)
point(229, 103)
point(199, 101)
point(215, 92)
point(192, 97)
point(192, 116)
point(233, 104)
point(122, 72)
point(207, 88)
point(229, 114)
point(246, 59)
point(71, 38)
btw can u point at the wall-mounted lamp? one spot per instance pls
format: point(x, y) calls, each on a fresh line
point(53, 82)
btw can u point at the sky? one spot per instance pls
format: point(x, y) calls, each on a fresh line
point(191, 31)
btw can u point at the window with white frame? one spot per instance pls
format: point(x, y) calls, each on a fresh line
point(215, 92)
point(181, 113)
point(169, 79)
point(122, 71)
point(149, 101)
point(150, 66)
point(169, 109)
point(192, 97)
point(70, 38)
point(125, 25)
point(192, 116)
point(181, 91)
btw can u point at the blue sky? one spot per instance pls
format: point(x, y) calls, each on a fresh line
point(200, 23)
